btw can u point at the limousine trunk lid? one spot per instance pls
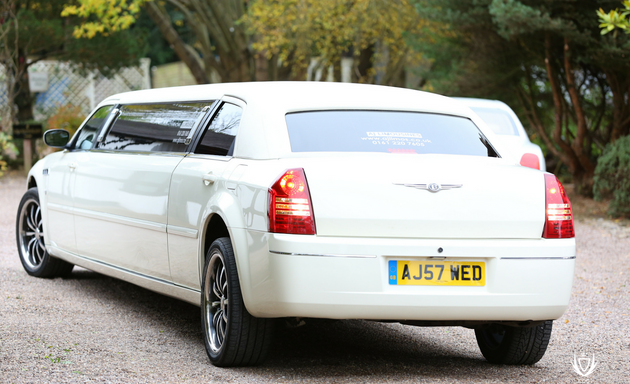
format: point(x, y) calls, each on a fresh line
point(425, 196)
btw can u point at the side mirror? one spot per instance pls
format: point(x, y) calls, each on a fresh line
point(56, 138)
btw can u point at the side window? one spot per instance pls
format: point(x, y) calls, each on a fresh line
point(218, 139)
point(154, 127)
point(87, 135)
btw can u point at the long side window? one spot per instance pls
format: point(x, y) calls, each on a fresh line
point(87, 135)
point(154, 127)
point(218, 139)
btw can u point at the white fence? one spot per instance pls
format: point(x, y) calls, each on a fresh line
point(65, 86)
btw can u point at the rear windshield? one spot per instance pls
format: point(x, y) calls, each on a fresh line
point(381, 131)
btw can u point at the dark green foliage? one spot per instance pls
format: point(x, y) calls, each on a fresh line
point(612, 177)
point(44, 35)
point(510, 49)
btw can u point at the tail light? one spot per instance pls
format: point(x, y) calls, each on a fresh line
point(558, 215)
point(290, 208)
point(530, 160)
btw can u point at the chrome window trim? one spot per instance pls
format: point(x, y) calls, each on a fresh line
point(108, 124)
point(200, 118)
point(139, 153)
point(209, 157)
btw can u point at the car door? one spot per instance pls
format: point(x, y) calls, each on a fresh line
point(122, 186)
point(196, 180)
point(60, 183)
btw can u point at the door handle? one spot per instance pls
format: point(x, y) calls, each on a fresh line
point(209, 178)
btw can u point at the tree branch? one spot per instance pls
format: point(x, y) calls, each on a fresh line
point(582, 150)
point(163, 22)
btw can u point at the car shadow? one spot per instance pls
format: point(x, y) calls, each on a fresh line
point(321, 349)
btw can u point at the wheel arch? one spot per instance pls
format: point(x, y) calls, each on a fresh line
point(223, 218)
point(215, 228)
point(31, 182)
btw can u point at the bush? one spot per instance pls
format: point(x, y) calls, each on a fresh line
point(612, 177)
point(68, 117)
point(6, 147)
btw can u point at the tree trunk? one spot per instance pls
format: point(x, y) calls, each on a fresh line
point(362, 66)
point(620, 89)
point(337, 70)
point(22, 96)
point(163, 23)
point(580, 143)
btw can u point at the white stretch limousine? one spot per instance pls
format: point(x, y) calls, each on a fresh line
point(311, 200)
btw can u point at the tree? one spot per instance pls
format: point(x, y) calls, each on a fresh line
point(572, 85)
point(221, 43)
point(372, 31)
point(33, 30)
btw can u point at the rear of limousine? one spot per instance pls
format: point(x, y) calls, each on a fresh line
point(355, 234)
point(408, 216)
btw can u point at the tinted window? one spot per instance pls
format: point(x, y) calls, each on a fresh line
point(88, 133)
point(154, 127)
point(381, 131)
point(218, 139)
point(498, 120)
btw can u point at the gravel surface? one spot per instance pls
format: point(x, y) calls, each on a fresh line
point(90, 328)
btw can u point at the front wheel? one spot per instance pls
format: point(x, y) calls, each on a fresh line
point(501, 344)
point(30, 240)
point(232, 336)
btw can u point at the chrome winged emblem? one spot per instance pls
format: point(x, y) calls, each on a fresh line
point(432, 187)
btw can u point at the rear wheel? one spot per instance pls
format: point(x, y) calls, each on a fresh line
point(232, 336)
point(501, 344)
point(30, 240)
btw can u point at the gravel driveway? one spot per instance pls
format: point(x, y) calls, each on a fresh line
point(90, 328)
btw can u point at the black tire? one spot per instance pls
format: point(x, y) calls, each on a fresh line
point(29, 232)
point(232, 336)
point(501, 344)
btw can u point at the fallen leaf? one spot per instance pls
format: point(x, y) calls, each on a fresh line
point(606, 311)
point(566, 321)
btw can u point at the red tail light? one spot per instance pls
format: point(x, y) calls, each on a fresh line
point(290, 208)
point(530, 160)
point(558, 213)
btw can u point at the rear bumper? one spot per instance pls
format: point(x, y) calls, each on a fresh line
point(347, 278)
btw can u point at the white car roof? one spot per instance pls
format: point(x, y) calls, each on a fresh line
point(269, 102)
point(299, 96)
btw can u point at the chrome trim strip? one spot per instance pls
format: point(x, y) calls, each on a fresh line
point(153, 226)
point(60, 208)
point(181, 231)
point(539, 258)
point(322, 255)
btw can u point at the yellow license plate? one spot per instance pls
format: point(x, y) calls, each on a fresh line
point(403, 272)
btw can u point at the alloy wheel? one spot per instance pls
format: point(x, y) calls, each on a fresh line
point(216, 301)
point(31, 234)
